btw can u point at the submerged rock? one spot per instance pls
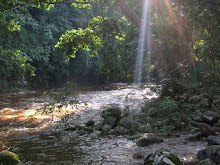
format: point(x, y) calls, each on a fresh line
point(212, 152)
point(9, 158)
point(162, 157)
point(149, 140)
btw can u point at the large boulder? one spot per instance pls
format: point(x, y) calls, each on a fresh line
point(9, 158)
point(215, 140)
point(146, 141)
point(212, 152)
point(162, 157)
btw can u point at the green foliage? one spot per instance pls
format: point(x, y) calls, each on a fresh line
point(167, 114)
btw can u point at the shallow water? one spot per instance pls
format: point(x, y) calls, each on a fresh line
point(38, 140)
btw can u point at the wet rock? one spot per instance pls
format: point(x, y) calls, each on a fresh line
point(129, 123)
point(81, 132)
point(90, 123)
point(218, 123)
point(217, 130)
point(145, 128)
point(112, 132)
point(105, 129)
point(180, 98)
point(197, 118)
point(70, 129)
point(194, 137)
point(206, 162)
point(137, 136)
point(204, 103)
point(215, 140)
point(148, 141)
point(88, 129)
point(98, 126)
point(9, 158)
point(206, 129)
point(110, 121)
point(194, 99)
point(93, 136)
point(138, 155)
point(212, 152)
point(113, 112)
point(162, 157)
point(211, 117)
point(122, 130)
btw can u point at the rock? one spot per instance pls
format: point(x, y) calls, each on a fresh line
point(204, 96)
point(137, 136)
point(112, 132)
point(194, 99)
point(212, 152)
point(113, 112)
point(206, 162)
point(204, 103)
point(194, 137)
point(197, 118)
point(180, 98)
point(162, 157)
point(9, 158)
point(110, 121)
point(81, 132)
point(105, 129)
point(90, 123)
point(88, 129)
point(93, 136)
point(218, 124)
point(206, 129)
point(129, 123)
point(217, 130)
point(210, 117)
point(215, 140)
point(138, 155)
point(148, 141)
point(122, 130)
point(145, 129)
point(98, 126)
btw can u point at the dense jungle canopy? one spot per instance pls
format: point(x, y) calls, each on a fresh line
point(48, 42)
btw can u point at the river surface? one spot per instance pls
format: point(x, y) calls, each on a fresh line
point(39, 139)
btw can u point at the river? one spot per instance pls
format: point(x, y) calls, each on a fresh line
point(39, 139)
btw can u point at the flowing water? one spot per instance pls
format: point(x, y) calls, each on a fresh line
point(39, 140)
